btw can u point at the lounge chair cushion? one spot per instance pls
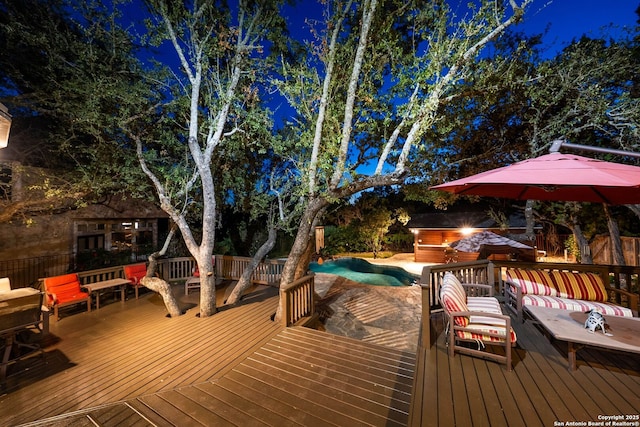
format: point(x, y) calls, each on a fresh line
point(484, 305)
point(481, 332)
point(452, 301)
point(450, 279)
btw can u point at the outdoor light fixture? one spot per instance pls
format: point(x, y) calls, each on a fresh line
point(5, 125)
point(465, 231)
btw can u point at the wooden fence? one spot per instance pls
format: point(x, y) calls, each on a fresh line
point(602, 254)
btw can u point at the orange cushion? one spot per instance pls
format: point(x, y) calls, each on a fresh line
point(135, 272)
point(52, 282)
point(65, 288)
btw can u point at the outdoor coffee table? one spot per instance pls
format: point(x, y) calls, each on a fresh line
point(568, 326)
point(106, 284)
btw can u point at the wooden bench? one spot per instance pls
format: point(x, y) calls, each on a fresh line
point(65, 290)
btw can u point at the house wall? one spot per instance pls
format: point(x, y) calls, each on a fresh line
point(66, 228)
point(61, 233)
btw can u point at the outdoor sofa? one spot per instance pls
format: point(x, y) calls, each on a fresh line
point(567, 290)
point(475, 321)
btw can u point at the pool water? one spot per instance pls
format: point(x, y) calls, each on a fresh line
point(359, 270)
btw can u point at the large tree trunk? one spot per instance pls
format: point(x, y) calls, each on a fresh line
point(614, 233)
point(156, 284)
point(207, 284)
point(583, 244)
point(245, 281)
point(297, 264)
point(160, 286)
point(530, 221)
point(292, 270)
point(303, 263)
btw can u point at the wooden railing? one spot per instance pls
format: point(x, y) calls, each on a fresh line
point(227, 268)
point(297, 298)
point(176, 269)
point(298, 302)
point(268, 272)
point(93, 276)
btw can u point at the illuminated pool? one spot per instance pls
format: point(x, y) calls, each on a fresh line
point(359, 270)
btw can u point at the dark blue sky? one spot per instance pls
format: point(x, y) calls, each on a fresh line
point(566, 19)
point(570, 19)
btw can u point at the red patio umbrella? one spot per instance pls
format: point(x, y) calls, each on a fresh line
point(555, 176)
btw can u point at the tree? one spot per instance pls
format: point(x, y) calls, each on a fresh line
point(146, 121)
point(584, 93)
point(375, 94)
point(60, 78)
point(213, 99)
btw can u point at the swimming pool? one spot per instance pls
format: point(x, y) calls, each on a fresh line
point(359, 270)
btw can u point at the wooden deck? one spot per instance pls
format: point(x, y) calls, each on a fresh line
point(127, 364)
point(540, 391)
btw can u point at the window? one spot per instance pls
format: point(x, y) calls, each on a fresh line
point(89, 243)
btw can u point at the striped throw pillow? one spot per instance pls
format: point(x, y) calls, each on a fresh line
point(584, 286)
point(534, 282)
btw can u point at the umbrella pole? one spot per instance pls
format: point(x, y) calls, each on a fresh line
point(559, 143)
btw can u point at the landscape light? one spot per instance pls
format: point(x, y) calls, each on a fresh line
point(5, 125)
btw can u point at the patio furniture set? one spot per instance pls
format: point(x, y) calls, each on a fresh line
point(67, 289)
point(557, 300)
point(24, 311)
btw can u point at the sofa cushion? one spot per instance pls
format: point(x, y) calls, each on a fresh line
point(584, 286)
point(575, 305)
point(536, 282)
